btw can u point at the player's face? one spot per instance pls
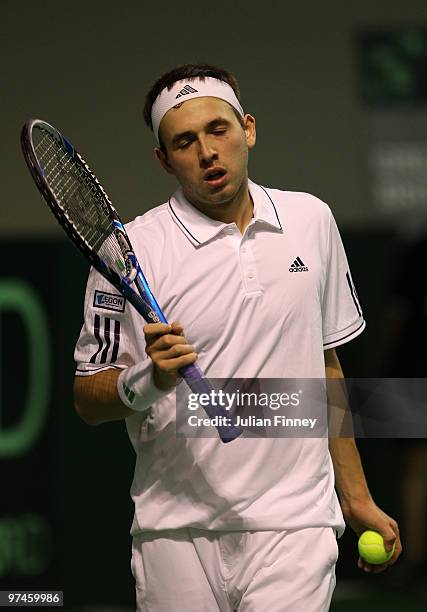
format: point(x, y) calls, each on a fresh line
point(207, 151)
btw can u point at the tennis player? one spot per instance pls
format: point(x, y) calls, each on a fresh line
point(257, 282)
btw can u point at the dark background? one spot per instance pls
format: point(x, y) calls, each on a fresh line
point(328, 84)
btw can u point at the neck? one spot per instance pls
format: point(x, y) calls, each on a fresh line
point(244, 211)
point(238, 210)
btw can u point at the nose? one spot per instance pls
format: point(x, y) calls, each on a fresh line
point(207, 152)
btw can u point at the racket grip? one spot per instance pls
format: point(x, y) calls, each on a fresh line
point(198, 383)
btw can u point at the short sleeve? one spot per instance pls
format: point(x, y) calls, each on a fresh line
point(342, 316)
point(106, 339)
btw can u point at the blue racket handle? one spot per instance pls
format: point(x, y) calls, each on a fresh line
point(198, 383)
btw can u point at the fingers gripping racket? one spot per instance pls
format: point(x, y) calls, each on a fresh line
point(85, 212)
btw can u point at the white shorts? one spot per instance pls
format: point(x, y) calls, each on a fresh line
point(194, 570)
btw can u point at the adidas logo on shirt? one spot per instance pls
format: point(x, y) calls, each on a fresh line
point(187, 90)
point(298, 266)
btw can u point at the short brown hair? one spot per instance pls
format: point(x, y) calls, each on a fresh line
point(189, 71)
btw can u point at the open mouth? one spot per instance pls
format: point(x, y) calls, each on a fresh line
point(215, 177)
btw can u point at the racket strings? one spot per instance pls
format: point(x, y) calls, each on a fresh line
point(79, 196)
point(72, 189)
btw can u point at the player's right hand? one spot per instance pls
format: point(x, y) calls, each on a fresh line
point(169, 351)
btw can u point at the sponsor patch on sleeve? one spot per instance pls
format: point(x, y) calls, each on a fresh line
point(109, 301)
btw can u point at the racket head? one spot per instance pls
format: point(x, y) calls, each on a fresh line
point(78, 201)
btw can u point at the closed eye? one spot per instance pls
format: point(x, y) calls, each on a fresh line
point(184, 144)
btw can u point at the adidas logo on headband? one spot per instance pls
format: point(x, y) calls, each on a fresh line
point(187, 90)
point(192, 88)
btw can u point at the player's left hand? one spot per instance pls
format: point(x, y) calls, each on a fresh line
point(365, 515)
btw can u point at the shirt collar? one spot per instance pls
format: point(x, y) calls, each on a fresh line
point(200, 228)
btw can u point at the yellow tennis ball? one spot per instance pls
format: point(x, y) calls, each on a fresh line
point(371, 548)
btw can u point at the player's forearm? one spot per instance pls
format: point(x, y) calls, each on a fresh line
point(350, 479)
point(349, 475)
point(97, 400)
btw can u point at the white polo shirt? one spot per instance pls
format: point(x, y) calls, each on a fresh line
point(263, 304)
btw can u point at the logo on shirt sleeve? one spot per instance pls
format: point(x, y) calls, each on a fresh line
point(109, 301)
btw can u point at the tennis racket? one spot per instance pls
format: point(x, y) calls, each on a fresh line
point(85, 212)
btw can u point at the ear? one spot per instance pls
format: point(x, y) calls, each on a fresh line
point(250, 130)
point(164, 162)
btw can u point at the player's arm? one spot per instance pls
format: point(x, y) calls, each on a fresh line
point(97, 400)
point(96, 397)
point(359, 509)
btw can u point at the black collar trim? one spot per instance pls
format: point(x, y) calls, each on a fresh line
point(272, 203)
point(182, 224)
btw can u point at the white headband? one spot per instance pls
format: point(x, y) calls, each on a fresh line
point(187, 89)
